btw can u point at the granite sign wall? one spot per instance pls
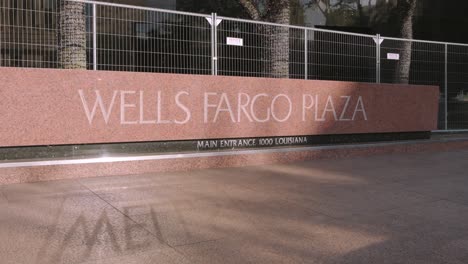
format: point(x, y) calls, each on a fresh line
point(57, 107)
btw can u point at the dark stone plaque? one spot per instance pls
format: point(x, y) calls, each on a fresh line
point(193, 146)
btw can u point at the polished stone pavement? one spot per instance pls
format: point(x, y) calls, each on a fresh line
point(401, 208)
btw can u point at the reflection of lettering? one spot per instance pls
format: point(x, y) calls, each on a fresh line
point(91, 232)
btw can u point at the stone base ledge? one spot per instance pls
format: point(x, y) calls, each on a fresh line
point(35, 171)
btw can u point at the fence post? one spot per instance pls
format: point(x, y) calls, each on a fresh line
point(305, 53)
point(214, 44)
point(446, 87)
point(377, 66)
point(95, 62)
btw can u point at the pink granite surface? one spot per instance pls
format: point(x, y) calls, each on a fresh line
point(74, 171)
point(45, 107)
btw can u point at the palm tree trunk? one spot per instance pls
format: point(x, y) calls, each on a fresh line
point(72, 35)
point(275, 39)
point(404, 66)
point(280, 13)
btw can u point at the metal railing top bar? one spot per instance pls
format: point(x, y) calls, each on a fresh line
point(220, 17)
point(260, 22)
point(295, 27)
point(142, 8)
point(425, 41)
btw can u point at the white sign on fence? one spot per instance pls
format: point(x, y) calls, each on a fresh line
point(393, 56)
point(235, 41)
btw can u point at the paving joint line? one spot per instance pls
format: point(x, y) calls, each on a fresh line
point(415, 204)
point(455, 202)
point(2, 194)
point(435, 197)
point(199, 242)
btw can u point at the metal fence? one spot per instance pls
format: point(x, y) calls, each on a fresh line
point(140, 39)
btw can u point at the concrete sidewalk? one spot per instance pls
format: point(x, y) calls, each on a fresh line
point(387, 209)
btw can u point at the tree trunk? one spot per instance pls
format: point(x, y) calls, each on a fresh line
point(275, 39)
point(404, 65)
point(279, 12)
point(72, 35)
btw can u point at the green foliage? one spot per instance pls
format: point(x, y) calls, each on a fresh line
point(382, 16)
point(342, 17)
point(297, 13)
point(230, 8)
